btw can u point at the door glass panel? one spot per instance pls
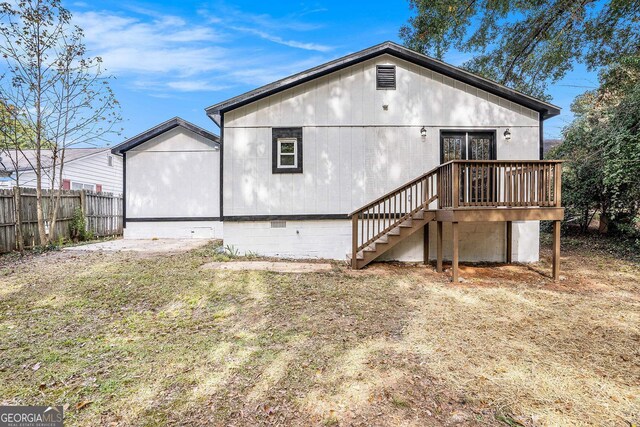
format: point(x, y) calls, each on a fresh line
point(481, 146)
point(481, 176)
point(453, 147)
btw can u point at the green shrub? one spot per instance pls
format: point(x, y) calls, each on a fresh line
point(78, 227)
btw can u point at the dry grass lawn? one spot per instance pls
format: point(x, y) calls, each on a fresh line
point(123, 339)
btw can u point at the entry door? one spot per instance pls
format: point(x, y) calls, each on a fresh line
point(475, 183)
point(467, 145)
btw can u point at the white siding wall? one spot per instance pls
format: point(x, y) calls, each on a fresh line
point(93, 169)
point(354, 150)
point(175, 175)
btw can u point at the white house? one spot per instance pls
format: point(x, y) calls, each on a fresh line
point(95, 169)
point(299, 155)
point(171, 176)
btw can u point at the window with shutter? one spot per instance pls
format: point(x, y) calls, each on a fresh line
point(385, 77)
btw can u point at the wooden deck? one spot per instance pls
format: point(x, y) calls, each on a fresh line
point(461, 191)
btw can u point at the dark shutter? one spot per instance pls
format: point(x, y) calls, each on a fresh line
point(385, 76)
point(98, 188)
point(66, 184)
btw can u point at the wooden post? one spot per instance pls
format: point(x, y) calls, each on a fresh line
point(425, 244)
point(454, 264)
point(354, 242)
point(556, 250)
point(439, 249)
point(558, 185)
point(83, 202)
point(455, 185)
point(509, 241)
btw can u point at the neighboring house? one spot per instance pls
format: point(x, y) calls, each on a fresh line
point(172, 176)
point(300, 154)
point(95, 169)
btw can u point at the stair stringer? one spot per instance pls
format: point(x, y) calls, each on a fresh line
point(405, 229)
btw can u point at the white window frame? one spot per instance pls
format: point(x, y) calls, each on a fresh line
point(82, 185)
point(293, 141)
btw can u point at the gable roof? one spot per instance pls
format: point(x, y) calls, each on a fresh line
point(545, 109)
point(159, 130)
point(26, 159)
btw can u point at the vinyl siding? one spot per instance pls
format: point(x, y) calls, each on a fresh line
point(92, 169)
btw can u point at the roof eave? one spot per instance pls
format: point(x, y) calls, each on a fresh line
point(545, 109)
point(159, 130)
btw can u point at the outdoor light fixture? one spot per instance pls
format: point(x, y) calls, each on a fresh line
point(423, 132)
point(507, 134)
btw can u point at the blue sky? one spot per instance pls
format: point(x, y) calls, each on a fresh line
point(176, 58)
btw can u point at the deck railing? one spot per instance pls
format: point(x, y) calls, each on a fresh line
point(377, 218)
point(460, 184)
point(497, 183)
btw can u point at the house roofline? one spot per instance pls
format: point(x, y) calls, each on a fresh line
point(29, 168)
point(545, 109)
point(159, 130)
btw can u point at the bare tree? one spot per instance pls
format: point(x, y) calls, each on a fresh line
point(66, 96)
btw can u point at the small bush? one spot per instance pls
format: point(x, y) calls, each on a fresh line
point(78, 227)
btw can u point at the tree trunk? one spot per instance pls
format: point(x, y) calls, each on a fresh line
point(604, 222)
point(56, 195)
point(17, 201)
point(39, 202)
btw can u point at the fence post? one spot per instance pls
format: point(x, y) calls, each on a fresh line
point(83, 202)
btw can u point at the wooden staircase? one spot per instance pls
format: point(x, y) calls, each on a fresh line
point(460, 191)
point(405, 228)
point(388, 220)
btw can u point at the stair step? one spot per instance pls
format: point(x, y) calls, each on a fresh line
point(418, 215)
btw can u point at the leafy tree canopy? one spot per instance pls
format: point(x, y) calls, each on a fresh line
point(15, 131)
point(526, 44)
point(602, 148)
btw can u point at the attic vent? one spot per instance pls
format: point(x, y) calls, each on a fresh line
point(278, 224)
point(385, 76)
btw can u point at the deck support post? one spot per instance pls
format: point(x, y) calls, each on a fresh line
point(439, 248)
point(454, 263)
point(509, 242)
point(556, 250)
point(425, 244)
point(354, 241)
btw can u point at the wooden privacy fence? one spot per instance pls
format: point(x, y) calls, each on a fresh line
point(102, 213)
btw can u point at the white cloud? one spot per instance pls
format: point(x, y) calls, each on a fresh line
point(166, 45)
point(167, 53)
point(291, 43)
point(195, 85)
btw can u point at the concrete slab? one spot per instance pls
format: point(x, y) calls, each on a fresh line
point(278, 267)
point(141, 245)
